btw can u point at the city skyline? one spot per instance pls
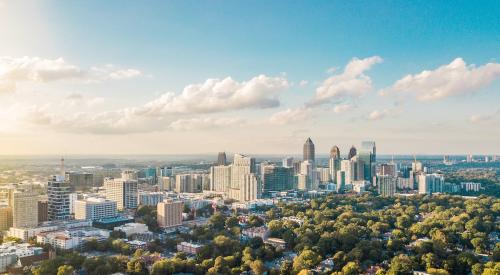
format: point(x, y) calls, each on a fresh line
point(197, 78)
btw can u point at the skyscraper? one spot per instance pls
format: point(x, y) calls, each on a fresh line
point(220, 178)
point(287, 162)
point(335, 152)
point(245, 185)
point(277, 178)
point(308, 150)
point(352, 152)
point(221, 158)
point(24, 208)
point(368, 155)
point(58, 199)
point(386, 185)
point(124, 192)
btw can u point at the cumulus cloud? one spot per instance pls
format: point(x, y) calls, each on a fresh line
point(15, 70)
point(351, 83)
point(378, 115)
point(218, 95)
point(205, 123)
point(341, 108)
point(290, 115)
point(456, 78)
point(76, 99)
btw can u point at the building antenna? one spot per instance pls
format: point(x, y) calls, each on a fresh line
point(62, 171)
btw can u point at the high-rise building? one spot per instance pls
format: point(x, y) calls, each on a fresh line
point(129, 175)
point(275, 178)
point(123, 192)
point(190, 183)
point(368, 154)
point(352, 152)
point(335, 152)
point(340, 181)
point(150, 198)
point(470, 158)
point(386, 185)
point(308, 151)
point(43, 208)
point(388, 169)
point(369, 146)
point(287, 162)
point(221, 158)
point(5, 217)
point(80, 180)
point(94, 209)
point(167, 171)
point(242, 165)
point(24, 208)
point(430, 183)
point(220, 178)
point(308, 180)
point(166, 183)
point(169, 213)
point(58, 190)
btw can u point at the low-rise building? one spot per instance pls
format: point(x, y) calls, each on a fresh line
point(252, 232)
point(94, 209)
point(71, 238)
point(132, 228)
point(189, 248)
point(11, 252)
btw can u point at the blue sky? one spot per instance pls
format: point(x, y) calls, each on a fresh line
point(126, 54)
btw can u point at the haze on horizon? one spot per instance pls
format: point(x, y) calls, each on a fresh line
point(192, 77)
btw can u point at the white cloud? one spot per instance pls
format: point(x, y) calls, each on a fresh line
point(352, 82)
point(303, 83)
point(341, 108)
point(110, 71)
point(290, 115)
point(478, 118)
point(76, 99)
point(456, 78)
point(378, 115)
point(206, 123)
point(15, 70)
point(218, 95)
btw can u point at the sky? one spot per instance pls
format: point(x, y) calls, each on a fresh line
point(196, 77)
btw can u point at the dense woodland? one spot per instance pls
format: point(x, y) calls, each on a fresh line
point(439, 234)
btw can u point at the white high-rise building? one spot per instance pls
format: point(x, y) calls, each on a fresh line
point(245, 185)
point(340, 181)
point(386, 185)
point(73, 197)
point(129, 175)
point(123, 192)
point(287, 162)
point(24, 204)
point(430, 183)
point(220, 178)
point(169, 213)
point(308, 177)
point(470, 158)
point(348, 169)
point(94, 209)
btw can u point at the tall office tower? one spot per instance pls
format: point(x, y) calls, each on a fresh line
point(368, 154)
point(275, 178)
point(166, 184)
point(417, 166)
point(296, 167)
point(129, 175)
point(189, 183)
point(340, 181)
point(166, 171)
point(333, 167)
point(169, 213)
point(388, 169)
point(242, 165)
point(287, 162)
point(251, 188)
point(335, 152)
point(486, 159)
point(80, 180)
point(123, 192)
point(94, 209)
point(470, 158)
point(348, 169)
point(220, 178)
point(430, 183)
point(309, 174)
point(352, 152)
point(43, 208)
point(358, 168)
point(5, 217)
point(308, 150)
point(386, 185)
point(24, 208)
point(58, 199)
point(221, 158)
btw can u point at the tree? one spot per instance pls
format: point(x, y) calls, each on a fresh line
point(306, 260)
point(217, 221)
point(258, 267)
point(400, 265)
point(65, 270)
point(351, 268)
